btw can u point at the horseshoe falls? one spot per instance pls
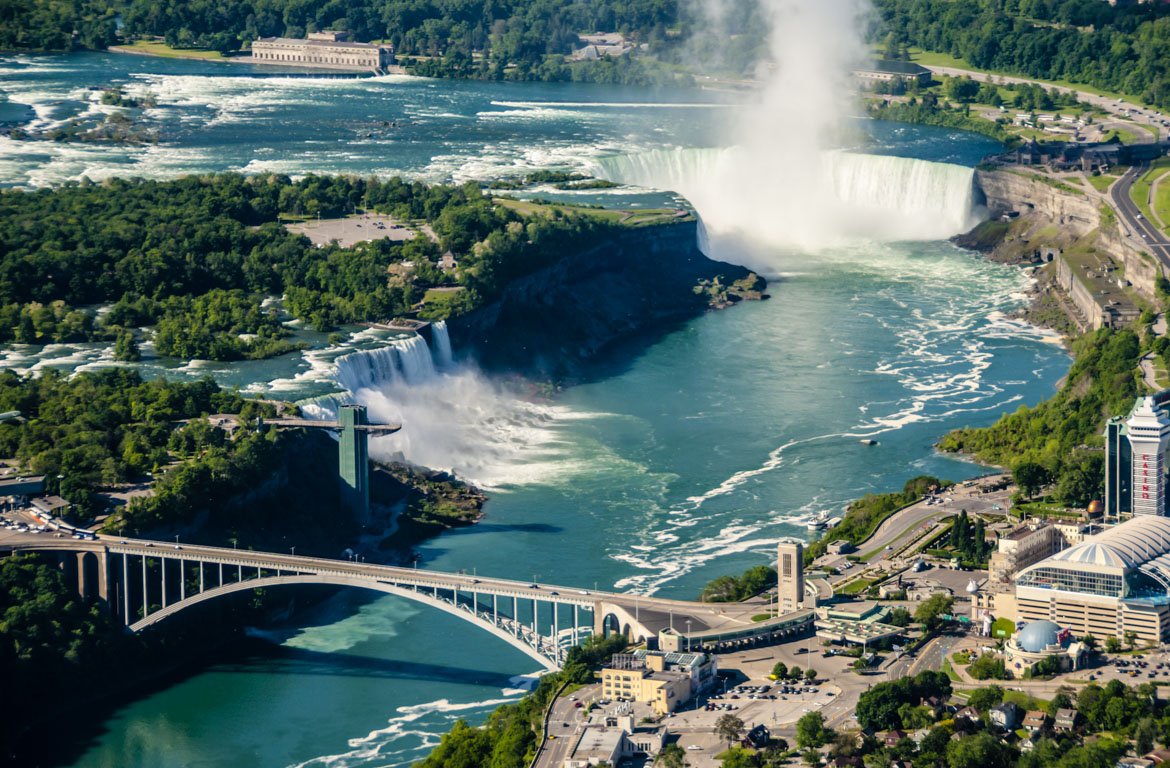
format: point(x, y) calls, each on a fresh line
point(851, 196)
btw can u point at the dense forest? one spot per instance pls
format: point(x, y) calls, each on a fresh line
point(1050, 438)
point(520, 39)
point(199, 255)
point(1124, 48)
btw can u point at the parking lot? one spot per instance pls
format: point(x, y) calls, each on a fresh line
point(1130, 669)
point(354, 229)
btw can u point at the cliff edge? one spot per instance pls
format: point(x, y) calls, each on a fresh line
point(554, 322)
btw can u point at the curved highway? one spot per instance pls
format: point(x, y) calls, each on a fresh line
point(1135, 224)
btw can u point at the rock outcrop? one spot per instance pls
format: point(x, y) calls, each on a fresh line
point(556, 321)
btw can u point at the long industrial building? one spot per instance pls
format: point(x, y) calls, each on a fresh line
point(325, 50)
point(1111, 584)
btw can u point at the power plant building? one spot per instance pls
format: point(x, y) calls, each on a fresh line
point(1135, 459)
point(325, 50)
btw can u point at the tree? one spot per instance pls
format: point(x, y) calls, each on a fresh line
point(729, 729)
point(983, 699)
point(1062, 700)
point(1144, 735)
point(1030, 477)
point(962, 89)
point(810, 674)
point(672, 756)
point(988, 667)
point(899, 617)
point(981, 750)
point(125, 347)
point(780, 670)
point(1112, 645)
point(811, 732)
point(930, 612)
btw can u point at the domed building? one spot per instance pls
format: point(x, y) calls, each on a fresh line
point(1042, 639)
point(1110, 584)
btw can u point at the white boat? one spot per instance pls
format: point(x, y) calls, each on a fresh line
point(819, 522)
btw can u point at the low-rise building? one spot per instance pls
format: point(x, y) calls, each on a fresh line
point(1065, 720)
point(1005, 716)
point(839, 547)
point(662, 680)
point(889, 70)
point(598, 745)
point(1035, 720)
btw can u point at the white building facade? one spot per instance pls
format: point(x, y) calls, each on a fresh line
point(1149, 434)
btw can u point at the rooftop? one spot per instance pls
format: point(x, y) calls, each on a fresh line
point(598, 743)
point(320, 43)
point(1127, 545)
point(896, 67)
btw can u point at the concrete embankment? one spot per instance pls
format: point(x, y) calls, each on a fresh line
point(623, 289)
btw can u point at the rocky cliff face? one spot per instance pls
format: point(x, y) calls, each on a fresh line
point(552, 323)
point(1041, 204)
point(1018, 190)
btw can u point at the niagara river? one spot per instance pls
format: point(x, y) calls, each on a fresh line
point(674, 462)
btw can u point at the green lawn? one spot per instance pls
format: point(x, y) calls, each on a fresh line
point(1103, 182)
point(857, 586)
point(1162, 201)
point(155, 48)
point(1140, 191)
point(529, 208)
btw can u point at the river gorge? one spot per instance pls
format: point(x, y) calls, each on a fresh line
point(677, 456)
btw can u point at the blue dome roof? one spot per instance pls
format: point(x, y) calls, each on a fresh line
point(1038, 635)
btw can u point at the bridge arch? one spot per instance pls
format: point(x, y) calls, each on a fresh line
point(425, 598)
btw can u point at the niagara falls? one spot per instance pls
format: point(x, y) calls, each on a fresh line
point(657, 322)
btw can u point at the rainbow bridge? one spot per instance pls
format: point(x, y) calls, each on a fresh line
point(145, 582)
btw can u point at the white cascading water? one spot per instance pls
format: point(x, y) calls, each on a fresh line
point(442, 341)
point(452, 417)
point(852, 197)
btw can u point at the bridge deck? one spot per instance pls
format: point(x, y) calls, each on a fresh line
point(375, 429)
point(654, 613)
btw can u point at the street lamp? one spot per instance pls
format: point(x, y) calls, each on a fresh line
point(293, 551)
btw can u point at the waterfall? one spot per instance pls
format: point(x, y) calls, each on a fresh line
point(407, 360)
point(453, 418)
point(442, 344)
point(850, 197)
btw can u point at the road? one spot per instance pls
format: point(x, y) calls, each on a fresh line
point(896, 529)
point(564, 725)
point(1131, 217)
point(1104, 102)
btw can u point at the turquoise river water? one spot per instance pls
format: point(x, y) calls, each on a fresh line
point(687, 460)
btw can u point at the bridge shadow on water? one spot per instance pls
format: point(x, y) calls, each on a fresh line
point(281, 660)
